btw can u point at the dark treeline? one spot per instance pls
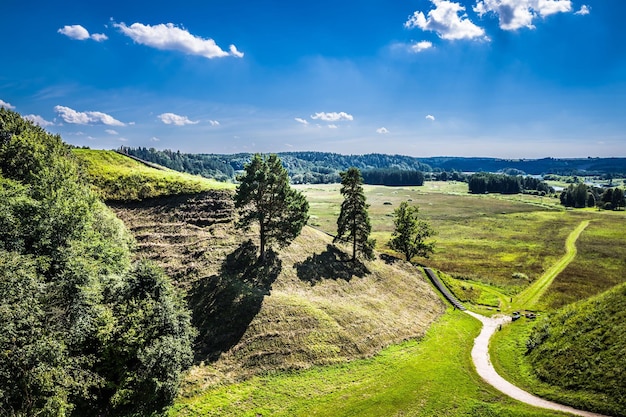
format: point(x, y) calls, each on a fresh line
point(581, 195)
point(506, 184)
point(392, 177)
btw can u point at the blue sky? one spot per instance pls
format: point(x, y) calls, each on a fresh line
point(498, 78)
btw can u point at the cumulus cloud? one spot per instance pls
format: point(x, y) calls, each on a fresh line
point(515, 14)
point(430, 117)
point(332, 117)
point(333, 126)
point(445, 20)
point(214, 122)
point(176, 120)
point(584, 10)
point(154, 139)
point(382, 130)
point(77, 32)
point(38, 120)
point(169, 37)
point(111, 132)
point(301, 120)
point(421, 46)
point(6, 105)
point(86, 118)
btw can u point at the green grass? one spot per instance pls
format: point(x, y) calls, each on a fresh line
point(529, 298)
point(118, 177)
point(430, 377)
point(579, 355)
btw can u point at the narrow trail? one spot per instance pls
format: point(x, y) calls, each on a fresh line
point(528, 298)
point(484, 368)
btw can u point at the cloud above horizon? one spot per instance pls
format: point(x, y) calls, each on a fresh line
point(430, 117)
point(584, 10)
point(332, 117)
point(421, 46)
point(448, 20)
point(169, 37)
point(176, 120)
point(301, 120)
point(516, 14)
point(86, 118)
point(38, 120)
point(6, 105)
point(382, 130)
point(78, 32)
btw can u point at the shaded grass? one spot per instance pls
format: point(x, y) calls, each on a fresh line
point(431, 377)
point(120, 178)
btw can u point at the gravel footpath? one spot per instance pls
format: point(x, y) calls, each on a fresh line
point(484, 368)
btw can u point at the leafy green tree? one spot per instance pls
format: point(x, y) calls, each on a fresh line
point(410, 233)
point(353, 223)
point(617, 199)
point(264, 197)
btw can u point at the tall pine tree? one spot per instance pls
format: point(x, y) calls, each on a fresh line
point(353, 224)
point(265, 197)
point(410, 233)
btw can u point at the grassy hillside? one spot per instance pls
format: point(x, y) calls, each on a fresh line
point(309, 306)
point(118, 177)
point(576, 355)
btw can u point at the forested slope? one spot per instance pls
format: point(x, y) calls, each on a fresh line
point(83, 330)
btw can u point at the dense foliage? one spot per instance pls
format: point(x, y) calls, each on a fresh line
point(483, 182)
point(264, 197)
point(353, 223)
point(392, 177)
point(82, 331)
point(410, 233)
point(581, 347)
point(581, 195)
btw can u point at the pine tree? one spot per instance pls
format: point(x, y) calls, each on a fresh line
point(265, 197)
point(410, 233)
point(353, 223)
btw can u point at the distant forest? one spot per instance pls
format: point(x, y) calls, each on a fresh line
point(324, 167)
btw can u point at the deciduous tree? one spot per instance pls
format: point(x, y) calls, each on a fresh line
point(410, 233)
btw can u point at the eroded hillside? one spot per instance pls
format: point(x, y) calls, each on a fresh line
point(307, 305)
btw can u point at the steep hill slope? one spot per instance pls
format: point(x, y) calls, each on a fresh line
point(308, 306)
point(119, 177)
point(582, 347)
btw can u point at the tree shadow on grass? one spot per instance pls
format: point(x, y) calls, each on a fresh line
point(224, 305)
point(330, 264)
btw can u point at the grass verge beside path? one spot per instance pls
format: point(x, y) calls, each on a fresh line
point(431, 377)
point(528, 298)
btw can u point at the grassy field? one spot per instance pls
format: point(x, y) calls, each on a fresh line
point(118, 177)
point(504, 242)
point(430, 377)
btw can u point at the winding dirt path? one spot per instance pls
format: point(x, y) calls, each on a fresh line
point(484, 368)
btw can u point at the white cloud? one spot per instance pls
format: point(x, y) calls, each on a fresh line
point(421, 46)
point(382, 130)
point(430, 117)
point(332, 117)
point(79, 33)
point(169, 37)
point(122, 139)
point(214, 122)
point(445, 20)
point(515, 14)
point(301, 120)
point(111, 132)
point(86, 118)
point(584, 10)
point(175, 119)
point(6, 105)
point(154, 139)
point(332, 126)
point(38, 120)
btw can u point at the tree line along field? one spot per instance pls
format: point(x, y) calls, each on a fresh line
point(503, 241)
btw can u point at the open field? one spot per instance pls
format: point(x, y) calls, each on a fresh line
point(494, 239)
point(430, 377)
